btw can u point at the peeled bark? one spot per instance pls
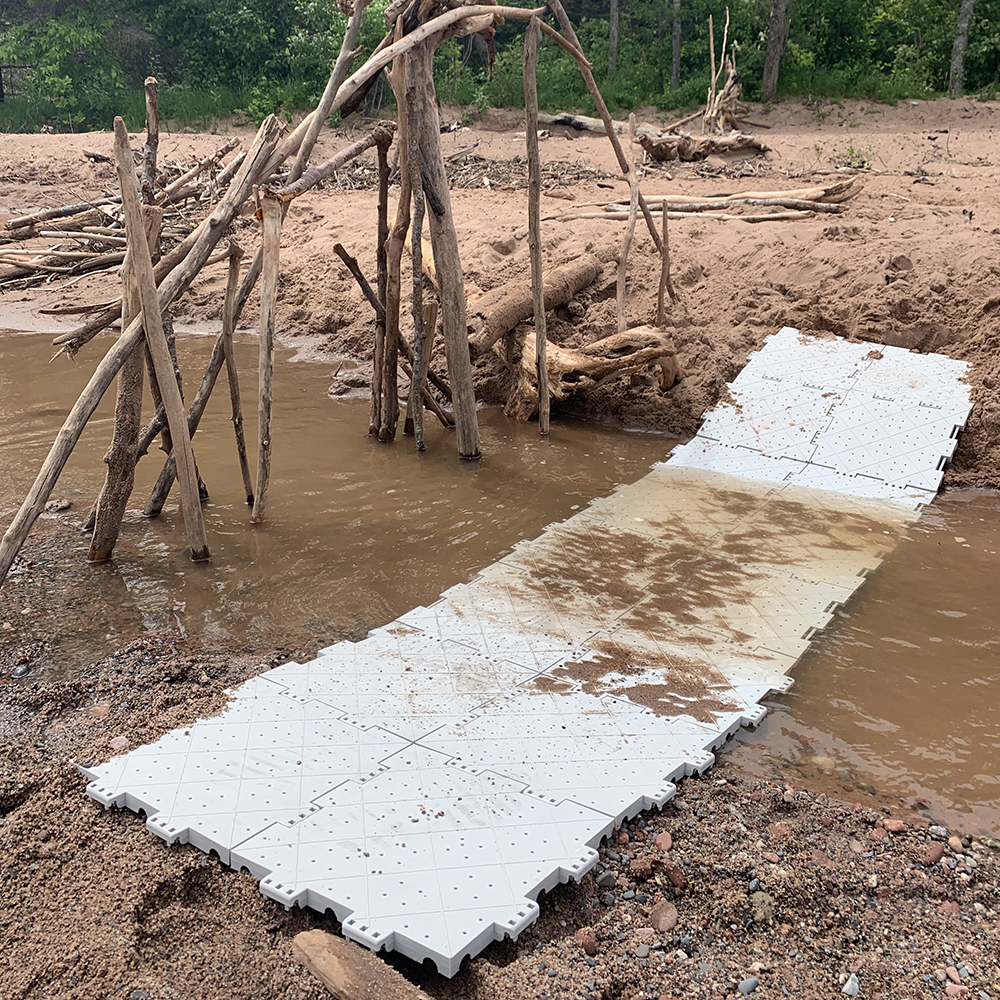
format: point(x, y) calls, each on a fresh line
point(777, 38)
point(688, 148)
point(956, 78)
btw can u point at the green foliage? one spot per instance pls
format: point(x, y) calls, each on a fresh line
point(75, 79)
point(216, 56)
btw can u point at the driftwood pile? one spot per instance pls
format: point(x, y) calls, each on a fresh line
point(154, 273)
point(60, 244)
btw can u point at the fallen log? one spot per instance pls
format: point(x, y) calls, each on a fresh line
point(707, 206)
point(570, 370)
point(497, 312)
point(581, 123)
point(688, 148)
point(349, 971)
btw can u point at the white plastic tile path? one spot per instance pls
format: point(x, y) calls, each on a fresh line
point(427, 783)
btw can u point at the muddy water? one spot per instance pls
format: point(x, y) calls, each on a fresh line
point(901, 694)
point(357, 533)
point(898, 697)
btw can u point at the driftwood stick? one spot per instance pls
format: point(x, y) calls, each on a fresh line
point(179, 278)
point(530, 68)
point(176, 187)
point(121, 457)
point(271, 211)
point(21, 221)
point(595, 93)
point(414, 409)
point(633, 206)
point(314, 175)
point(349, 971)
point(152, 144)
point(394, 252)
point(381, 261)
point(429, 323)
point(156, 342)
point(228, 327)
point(666, 285)
point(444, 241)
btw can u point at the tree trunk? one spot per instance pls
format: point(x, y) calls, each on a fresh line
point(444, 240)
point(956, 78)
point(613, 26)
point(777, 38)
point(121, 456)
point(675, 65)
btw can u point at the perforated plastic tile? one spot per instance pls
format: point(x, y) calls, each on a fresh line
point(428, 782)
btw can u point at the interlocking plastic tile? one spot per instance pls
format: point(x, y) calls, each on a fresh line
point(427, 783)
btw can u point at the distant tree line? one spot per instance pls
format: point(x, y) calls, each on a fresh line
point(87, 60)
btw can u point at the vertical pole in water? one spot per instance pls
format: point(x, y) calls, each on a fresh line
point(534, 219)
point(228, 326)
point(271, 213)
point(157, 343)
point(381, 258)
point(444, 241)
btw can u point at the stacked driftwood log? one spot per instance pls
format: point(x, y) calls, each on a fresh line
point(273, 172)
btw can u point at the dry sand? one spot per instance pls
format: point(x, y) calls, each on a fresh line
point(92, 906)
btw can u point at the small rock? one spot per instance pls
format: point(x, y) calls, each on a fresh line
point(763, 907)
point(955, 990)
point(937, 282)
point(20, 671)
point(894, 825)
point(748, 985)
point(586, 939)
point(955, 843)
point(771, 856)
point(857, 846)
point(901, 263)
point(852, 987)
point(938, 831)
point(606, 880)
point(608, 899)
point(933, 854)
point(952, 973)
point(950, 908)
point(58, 506)
point(642, 951)
point(119, 743)
point(675, 873)
point(99, 711)
point(641, 867)
point(877, 834)
point(621, 837)
point(663, 917)
point(664, 841)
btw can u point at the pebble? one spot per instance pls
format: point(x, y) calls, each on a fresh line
point(614, 855)
point(606, 880)
point(119, 743)
point(641, 867)
point(675, 873)
point(21, 670)
point(949, 906)
point(586, 938)
point(748, 985)
point(933, 854)
point(857, 846)
point(664, 841)
point(952, 973)
point(955, 843)
point(894, 825)
point(955, 990)
point(663, 917)
point(608, 899)
point(877, 834)
point(642, 951)
point(938, 831)
point(852, 987)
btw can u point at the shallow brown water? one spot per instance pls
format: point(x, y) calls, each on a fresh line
point(900, 694)
point(356, 534)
